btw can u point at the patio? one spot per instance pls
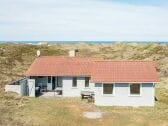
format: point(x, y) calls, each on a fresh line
point(49, 94)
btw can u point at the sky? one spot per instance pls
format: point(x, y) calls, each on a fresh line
point(83, 20)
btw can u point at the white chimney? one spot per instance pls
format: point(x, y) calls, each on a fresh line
point(38, 53)
point(72, 53)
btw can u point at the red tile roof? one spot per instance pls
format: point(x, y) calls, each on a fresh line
point(124, 71)
point(61, 66)
point(99, 70)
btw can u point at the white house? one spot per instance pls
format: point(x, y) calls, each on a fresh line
point(114, 83)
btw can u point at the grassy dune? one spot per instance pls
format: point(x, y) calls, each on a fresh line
point(25, 111)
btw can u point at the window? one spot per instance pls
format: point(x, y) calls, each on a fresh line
point(74, 83)
point(86, 81)
point(49, 79)
point(59, 82)
point(108, 88)
point(135, 89)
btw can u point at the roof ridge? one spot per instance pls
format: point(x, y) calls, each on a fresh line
point(123, 60)
point(69, 57)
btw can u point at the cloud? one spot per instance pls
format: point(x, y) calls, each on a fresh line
point(81, 20)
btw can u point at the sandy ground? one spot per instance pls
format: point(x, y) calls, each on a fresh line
point(92, 115)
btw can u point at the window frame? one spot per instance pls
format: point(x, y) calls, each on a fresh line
point(88, 82)
point(113, 94)
point(134, 95)
point(73, 82)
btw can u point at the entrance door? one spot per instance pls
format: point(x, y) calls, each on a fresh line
point(53, 82)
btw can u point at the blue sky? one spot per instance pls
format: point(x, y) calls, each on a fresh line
point(84, 20)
